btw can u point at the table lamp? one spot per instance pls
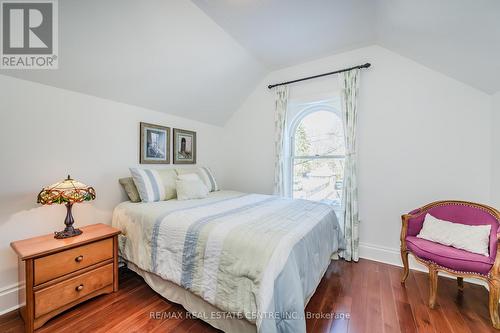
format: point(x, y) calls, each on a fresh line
point(66, 192)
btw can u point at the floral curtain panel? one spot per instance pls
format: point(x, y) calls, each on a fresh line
point(349, 93)
point(281, 105)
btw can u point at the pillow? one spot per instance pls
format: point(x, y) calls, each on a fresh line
point(130, 188)
point(168, 178)
point(472, 238)
point(206, 175)
point(149, 184)
point(191, 189)
point(189, 176)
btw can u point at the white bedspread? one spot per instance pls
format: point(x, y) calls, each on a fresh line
point(257, 256)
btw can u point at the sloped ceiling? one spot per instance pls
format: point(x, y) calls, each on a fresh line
point(281, 33)
point(163, 55)
point(199, 59)
point(459, 38)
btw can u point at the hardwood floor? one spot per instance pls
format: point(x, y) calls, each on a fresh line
point(366, 296)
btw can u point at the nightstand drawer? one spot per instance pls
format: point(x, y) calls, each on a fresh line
point(62, 293)
point(59, 264)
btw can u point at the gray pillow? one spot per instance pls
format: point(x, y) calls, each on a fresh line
point(130, 189)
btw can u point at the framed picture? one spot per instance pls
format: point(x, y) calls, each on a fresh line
point(184, 146)
point(155, 144)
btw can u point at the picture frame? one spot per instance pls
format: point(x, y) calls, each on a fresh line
point(184, 146)
point(154, 144)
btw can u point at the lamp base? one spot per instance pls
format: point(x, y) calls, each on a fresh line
point(67, 233)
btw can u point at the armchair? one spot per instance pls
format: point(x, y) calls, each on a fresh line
point(459, 263)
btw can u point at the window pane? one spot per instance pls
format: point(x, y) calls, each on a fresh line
point(318, 179)
point(320, 133)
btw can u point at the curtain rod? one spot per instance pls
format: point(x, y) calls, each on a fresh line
point(320, 75)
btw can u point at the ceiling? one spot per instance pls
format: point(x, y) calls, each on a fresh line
point(200, 59)
point(460, 38)
point(162, 55)
point(282, 33)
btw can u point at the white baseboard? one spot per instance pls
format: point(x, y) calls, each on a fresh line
point(381, 254)
point(387, 255)
point(9, 298)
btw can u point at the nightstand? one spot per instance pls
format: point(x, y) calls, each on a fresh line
point(61, 273)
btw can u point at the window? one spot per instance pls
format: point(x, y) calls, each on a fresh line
point(318, 155)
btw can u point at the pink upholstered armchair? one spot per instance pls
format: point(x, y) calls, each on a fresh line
point(459, 263)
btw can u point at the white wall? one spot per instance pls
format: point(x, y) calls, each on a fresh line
point(495, 152)
point(47, 133)
point(422, 137)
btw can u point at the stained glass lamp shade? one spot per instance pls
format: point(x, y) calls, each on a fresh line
point(66, 192)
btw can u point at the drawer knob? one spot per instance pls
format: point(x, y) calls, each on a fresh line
point(79, 258)
point(79, 288)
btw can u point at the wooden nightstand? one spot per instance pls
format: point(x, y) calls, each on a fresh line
point(61, 273)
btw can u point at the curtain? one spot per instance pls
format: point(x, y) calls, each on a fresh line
point(349, 93)
point(281, 104)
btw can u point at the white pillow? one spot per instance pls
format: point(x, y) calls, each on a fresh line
point(209, 179)
point(205, 174)
point(188, 176)
point(472, 238)
point(168, 178)
point(191, 189)
point(149, 184)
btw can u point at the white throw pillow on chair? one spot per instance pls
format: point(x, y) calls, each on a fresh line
point(472, 238)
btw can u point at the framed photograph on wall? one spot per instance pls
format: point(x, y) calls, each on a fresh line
point(184, 146)
point(154, 144)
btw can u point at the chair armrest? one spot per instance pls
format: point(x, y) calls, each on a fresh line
point(410, 225)
point(414, 221)
point(495, 270)
point(404, 230)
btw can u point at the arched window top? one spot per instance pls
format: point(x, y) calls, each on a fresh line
point(318, 131)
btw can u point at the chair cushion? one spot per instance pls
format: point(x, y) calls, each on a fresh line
point(449, 257)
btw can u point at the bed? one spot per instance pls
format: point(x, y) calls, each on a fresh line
point(241, 262)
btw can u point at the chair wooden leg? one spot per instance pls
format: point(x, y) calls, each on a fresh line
point(460, 284)
point(406, 267)
point(433, 280)
point(493, 302)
